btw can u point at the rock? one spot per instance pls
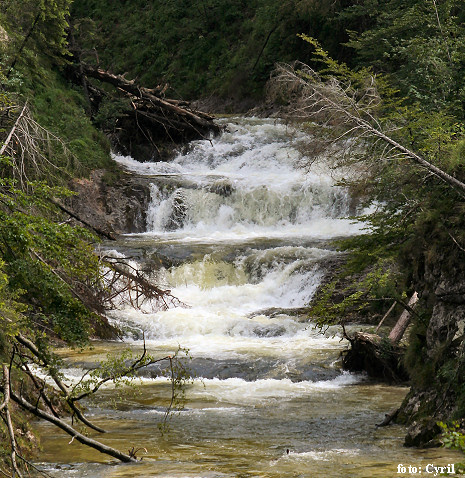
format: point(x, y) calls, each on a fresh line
point(224, 189)
point(438, 377)
point(119, 206)
point(423, 433)
point(178, 213)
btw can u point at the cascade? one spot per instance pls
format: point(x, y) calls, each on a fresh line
point(242, 227)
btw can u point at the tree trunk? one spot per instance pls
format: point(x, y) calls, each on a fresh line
point(399, 329)
point(71, 431)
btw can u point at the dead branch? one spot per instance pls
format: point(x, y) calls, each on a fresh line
point(21, 401)
point(55, 377)
point(128, 284)
point(385, 316)
point(332, 102)
point(7, 417)
point(31, 148)
point(100, 232)
point(13, 129)
point(42, 472)
point(399, 329)
point(171, 114)
point(388, 418)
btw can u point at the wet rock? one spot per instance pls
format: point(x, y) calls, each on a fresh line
point(269, 331)
point(178, 213)
point(223, 189)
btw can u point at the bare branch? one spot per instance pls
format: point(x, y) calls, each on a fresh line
point(32, 150)
point(130, 285)
point(70, 430)
point(333, 103)
point(55, 377)
point(7, 417)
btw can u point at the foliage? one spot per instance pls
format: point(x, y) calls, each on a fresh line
point(61, 109)
point(200, 47)
point(51, 280)
point(453, 437)
point(42, 22)
point(420, 44)
point(352, 113)
point(29, 70)
point(356, 290)
point(42, 257)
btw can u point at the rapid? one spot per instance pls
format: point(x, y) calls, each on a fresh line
point(240, 230)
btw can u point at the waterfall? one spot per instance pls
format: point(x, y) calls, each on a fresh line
point(253, 218)
point(240, 230)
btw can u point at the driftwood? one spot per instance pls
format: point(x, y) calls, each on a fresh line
point(150, 118)
point(378, 357)
point(196, 120)
point(381, 357)
point(399, 329)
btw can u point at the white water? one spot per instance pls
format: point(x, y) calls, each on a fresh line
point(242, 227)
point(251, 183)
point(249, 187)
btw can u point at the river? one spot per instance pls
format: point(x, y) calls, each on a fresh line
point(240, 228)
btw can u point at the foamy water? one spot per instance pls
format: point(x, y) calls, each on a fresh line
point(241, 227)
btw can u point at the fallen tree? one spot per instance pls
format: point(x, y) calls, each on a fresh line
point(348, 111)
point(376, 356)
point(148, 118)
point(381, 357)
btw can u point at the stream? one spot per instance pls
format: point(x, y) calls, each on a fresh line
point(240, 229)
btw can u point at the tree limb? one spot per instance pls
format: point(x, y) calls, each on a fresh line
point(331, 100)
point(6, 389)
point(201, 123)
point(99, 231)
point(32, 347)
point(70, 430)
point(13, 129)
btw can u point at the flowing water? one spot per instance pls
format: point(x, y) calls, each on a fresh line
point(240, 230)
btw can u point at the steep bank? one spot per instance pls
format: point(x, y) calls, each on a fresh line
point(436, 353)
